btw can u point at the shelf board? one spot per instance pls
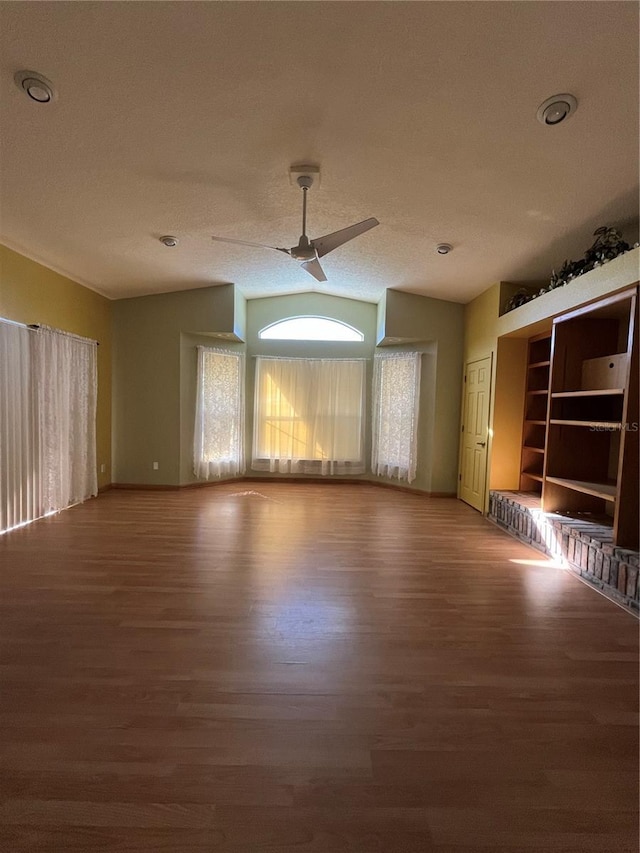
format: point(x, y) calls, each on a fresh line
point(539, 364)
point(605, 392)
point(537, 477)
point(533, 449)
point(598, 490)
point(605, 426)
point(540, 423)
point(544, 391)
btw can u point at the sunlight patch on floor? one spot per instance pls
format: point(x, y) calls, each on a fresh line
point(545, 564)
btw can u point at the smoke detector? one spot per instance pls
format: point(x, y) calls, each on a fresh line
point(556, 109)
point(169, 241)
point(444, 248)
point(35, 86)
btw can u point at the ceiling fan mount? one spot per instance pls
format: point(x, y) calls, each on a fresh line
point(309, 251)
point(305, 182)
point(304, 170)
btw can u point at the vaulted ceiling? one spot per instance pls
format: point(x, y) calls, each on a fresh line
point(183, 118)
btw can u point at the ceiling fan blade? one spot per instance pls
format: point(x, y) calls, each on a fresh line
point(247, 243)
point(326, 244)
point(313, 268)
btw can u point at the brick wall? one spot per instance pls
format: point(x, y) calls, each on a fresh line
point(586, 546)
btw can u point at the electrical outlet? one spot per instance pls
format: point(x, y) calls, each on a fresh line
point(155, 466)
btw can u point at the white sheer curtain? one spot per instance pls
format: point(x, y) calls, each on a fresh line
point(396, 399)
point(309, 415)
point(48, 393)
point(67, 386)
point(218, 446)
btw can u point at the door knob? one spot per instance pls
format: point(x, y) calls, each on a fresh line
point(481, 443)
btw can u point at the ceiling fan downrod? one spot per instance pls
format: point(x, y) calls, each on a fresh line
point(305, 182)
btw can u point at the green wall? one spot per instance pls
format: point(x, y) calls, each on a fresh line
point(155, 340)
point(436, 325)
point(32, 293)
point(440, 324)
point(149, 413)
point(188, 388)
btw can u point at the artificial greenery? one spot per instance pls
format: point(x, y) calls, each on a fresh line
point(607, 245)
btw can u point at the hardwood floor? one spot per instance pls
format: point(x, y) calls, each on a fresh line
point(265, 668)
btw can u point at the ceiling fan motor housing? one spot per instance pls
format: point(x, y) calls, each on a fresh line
point(304, 251)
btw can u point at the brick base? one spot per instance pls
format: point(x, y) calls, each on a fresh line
point(585, 545)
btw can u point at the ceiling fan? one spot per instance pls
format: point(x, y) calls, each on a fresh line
point(308, 251)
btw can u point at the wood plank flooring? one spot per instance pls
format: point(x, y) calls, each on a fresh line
point(275, 668)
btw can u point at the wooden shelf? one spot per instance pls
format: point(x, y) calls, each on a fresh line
point(593, 393)
point(607, 491)
point(603, 425)
point(607, 392)
point(535, 411)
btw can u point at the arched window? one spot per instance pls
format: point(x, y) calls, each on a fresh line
point(310, 329)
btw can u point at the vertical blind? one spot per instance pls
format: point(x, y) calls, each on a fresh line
point(20, 497)
point(48, 395)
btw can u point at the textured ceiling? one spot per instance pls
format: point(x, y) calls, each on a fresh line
point(183, 118)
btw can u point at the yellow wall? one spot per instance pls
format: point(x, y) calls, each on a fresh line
point(480, 341)
point(508, 408)
point(31, 293)
point(508, 368)
point(480, 320)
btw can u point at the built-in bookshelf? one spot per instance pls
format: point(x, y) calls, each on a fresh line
point(535, 413)
point(591, 450)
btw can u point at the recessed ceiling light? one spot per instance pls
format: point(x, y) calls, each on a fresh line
point(444, 248)
point(35, 86)
point(556, 109)
point(169, 241)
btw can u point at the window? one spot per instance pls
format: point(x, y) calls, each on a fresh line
point(219, 430)
point(309, 415)
point(310, 329)
point(396, 396)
